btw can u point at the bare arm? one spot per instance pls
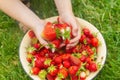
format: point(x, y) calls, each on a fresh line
point(64, 7)
point(17, 10)
point(66, 14)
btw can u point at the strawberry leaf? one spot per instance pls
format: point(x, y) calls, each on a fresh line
point(58, 33)
point(42, 74)
point(47, 62)
point(66, 34)
point(30, 49)
point(51, 68)
point(78, 55)
point(60, 76)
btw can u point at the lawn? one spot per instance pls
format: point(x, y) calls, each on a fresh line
point(104, 14)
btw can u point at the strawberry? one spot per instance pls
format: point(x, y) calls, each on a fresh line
point(62, 74)
point(58, 59)
point(47, 62)
point(66, 64)
point(75, 60)
point(94, 42)
point(31, 34)
point(86, 31)
point(88, 60)
point(49, 32)
point(73, 70)
point(65, 56)
point(35, 70)
point(56, 42)
point(83, 58)
point(92, 67)
point(39, 62)
point(52, 70)
point(82, 38)
point(37, 45)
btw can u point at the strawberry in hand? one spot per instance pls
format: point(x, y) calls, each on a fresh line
point(49, 32)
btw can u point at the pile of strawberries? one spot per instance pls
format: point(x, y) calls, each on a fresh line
point(73, 64)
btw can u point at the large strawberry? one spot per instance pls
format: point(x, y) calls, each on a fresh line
point(49, 32)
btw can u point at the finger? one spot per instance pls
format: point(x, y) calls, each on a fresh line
point(74, 28)
point(71, 45)
point(62, 45)
point(77, 37)
point(43, 42)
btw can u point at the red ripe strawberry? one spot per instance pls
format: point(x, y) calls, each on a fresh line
point(62, 74)
point(52, 70)
point(92, 67)
point(49, 32)
point(43, 52)
point(49, 77)
point(31, 34)
point(75, 60)
point(72, 70)
point(65, 56)
point(35, 70)
point(88, 60)
point(56, 42)
point(83, 37)
point(58, 59)
point(86, 31)
point(66, 64)
point(39, 62)
point(94, 42)
point(37, 45)
point(83, 58)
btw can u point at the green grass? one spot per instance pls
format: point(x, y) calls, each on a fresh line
point(104, 14)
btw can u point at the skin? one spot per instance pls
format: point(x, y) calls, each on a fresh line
point(17, 10)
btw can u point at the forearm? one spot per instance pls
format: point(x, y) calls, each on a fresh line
point(64, 6)
point(17, 10)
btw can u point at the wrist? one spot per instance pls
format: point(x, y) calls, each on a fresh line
point(39, 26)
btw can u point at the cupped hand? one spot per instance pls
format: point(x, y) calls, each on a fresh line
point(38, 32)
point(76, 29)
